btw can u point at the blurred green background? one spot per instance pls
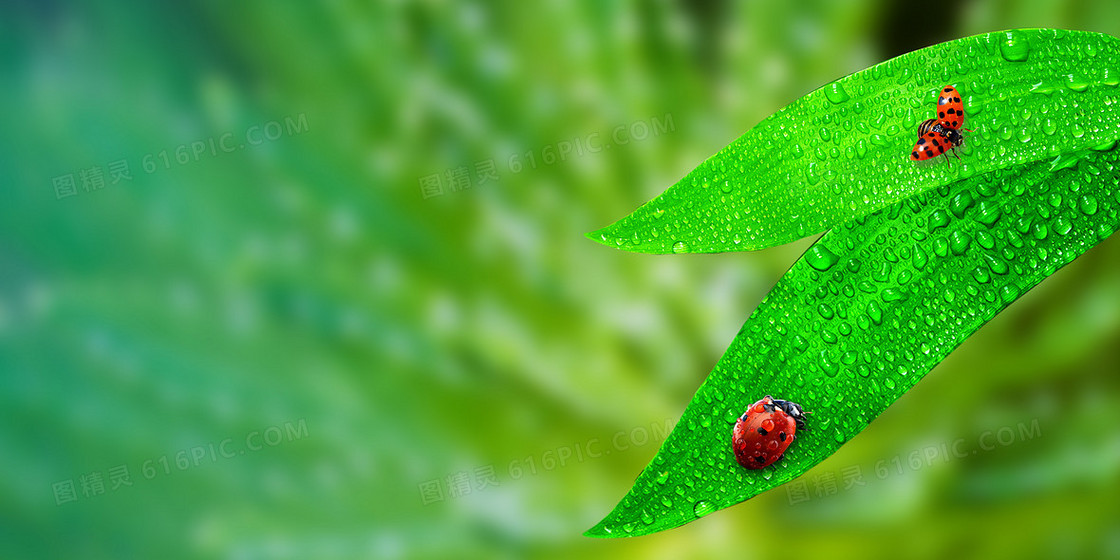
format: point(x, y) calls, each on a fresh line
point(309, 280)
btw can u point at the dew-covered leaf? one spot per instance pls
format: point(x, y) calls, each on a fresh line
point(842, 151)
point(864, 314)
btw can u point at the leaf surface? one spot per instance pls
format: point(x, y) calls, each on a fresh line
point(842, 151)
point(863, 315)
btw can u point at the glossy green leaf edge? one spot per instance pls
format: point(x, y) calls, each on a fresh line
point(843, 150)
point(863, 315)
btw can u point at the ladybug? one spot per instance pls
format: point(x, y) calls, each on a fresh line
point(936, 136)
point(765, 430)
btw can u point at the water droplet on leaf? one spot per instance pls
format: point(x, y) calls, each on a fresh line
point(1014, 47)
point(820, 258)
point(1087, 204)
point(703, 507)
point(835, 93)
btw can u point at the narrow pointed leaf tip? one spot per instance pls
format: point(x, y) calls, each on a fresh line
point(842, 151)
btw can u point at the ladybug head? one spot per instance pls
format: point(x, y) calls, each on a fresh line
point(794, 411)
point(953, 136)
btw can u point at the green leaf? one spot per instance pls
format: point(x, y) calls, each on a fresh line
point(864, 314)
point(842, 151)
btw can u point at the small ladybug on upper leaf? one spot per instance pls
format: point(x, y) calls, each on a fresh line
point(936, 136)
point(764, 432)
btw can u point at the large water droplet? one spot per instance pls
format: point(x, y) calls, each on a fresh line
point(830, 368)
point(1014, 47)
point(920, 258)
point(989, 213)
point(1077, 83)
point(680, 247)
point(799, 342)
point(1040, 230)
point(958, 242)
point(1044, 88)
point(825, 311)
point(961, 203)
point(1087, 204)
point(1008, 293)
point(835, 93)
point(1110, 77)
point(1049, 126)
point(1106, 145)
point(703, 507)
point(893, 294)
point(875, 312)
point(1065, 161)
point(820, 258)
point(973, 105)
point(1062, 225)
point(939, 218)
point(883, 274)
point(940, 247)
point(985, 239)
point(981, 275)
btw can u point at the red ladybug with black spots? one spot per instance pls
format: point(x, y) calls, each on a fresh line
point(936, 136)
point(763, 433)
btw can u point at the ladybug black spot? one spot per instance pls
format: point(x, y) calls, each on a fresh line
point(942, 113)
point(914, 155)
point(762, 431)
point(954, 123)
point(782, 435)
point(921, 141)
point(948, 89)
point(956, 100)
point(936, 143)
